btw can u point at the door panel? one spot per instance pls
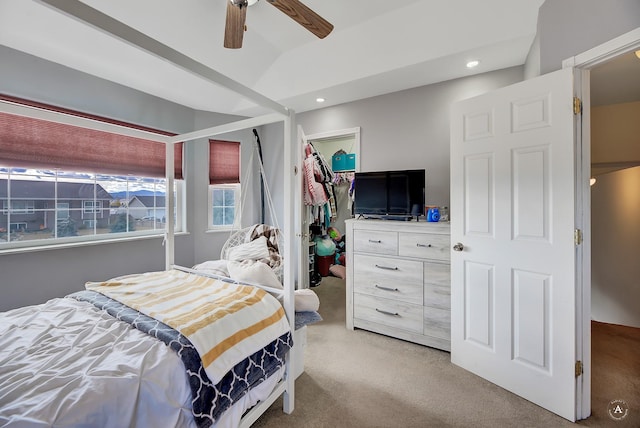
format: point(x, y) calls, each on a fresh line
point(512, 207)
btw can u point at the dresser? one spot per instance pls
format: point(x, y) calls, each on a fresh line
point(398, 280)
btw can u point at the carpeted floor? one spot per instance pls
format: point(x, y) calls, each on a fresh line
point(362, 379)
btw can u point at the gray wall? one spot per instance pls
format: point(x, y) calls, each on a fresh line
point(408, 129)
point(569, 27)
point(36, 276)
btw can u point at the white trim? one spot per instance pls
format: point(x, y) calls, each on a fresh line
point(237, 207)
point(82, 243)
point(338, 134)
point(620, 45)
point(303, 262)
point(583, 63)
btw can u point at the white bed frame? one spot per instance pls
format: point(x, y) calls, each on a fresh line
point(95, 18)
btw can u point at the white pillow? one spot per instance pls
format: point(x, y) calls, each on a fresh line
point(216, 267)
point(255, 272)
point(254, 250)
point(306, 300)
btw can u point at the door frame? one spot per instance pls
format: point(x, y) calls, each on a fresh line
point(583, 63)
point(303, 279)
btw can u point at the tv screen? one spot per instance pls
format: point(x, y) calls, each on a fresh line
point(389, 193)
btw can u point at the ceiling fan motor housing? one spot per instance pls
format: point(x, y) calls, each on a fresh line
point(240, 3)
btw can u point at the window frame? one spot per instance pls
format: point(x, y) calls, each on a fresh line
point(236, 187)
point(79, 119)
point(8, 208)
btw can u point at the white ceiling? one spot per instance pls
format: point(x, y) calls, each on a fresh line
point(377, 46)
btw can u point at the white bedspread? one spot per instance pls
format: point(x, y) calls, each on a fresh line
point(67, 364)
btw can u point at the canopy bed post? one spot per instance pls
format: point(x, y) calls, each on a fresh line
point(289, 250)
point(169, 241)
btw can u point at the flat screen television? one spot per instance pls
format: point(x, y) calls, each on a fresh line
point(389, 194)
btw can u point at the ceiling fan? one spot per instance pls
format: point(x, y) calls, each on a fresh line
point(237, 14)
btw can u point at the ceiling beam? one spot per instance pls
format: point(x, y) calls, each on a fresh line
point(85, 13)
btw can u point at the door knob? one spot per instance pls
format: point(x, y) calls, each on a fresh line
point(458, 247)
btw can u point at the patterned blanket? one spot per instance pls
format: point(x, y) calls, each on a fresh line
point(209, 400)
point(224, 322)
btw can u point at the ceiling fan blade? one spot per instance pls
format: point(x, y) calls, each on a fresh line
point(234, 26)
point(304, 16)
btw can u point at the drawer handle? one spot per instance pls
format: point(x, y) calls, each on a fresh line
point(423, 245)
point(386, 267)
point(386, 288)
point(375, 241)
point(393, 314)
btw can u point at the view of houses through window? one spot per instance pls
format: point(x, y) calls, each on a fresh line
point(38, 204)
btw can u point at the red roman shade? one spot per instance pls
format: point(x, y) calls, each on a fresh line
point(35, 143)
point(224, 162)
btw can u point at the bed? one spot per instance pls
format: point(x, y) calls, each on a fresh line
point(139, 373)
point(99, 358)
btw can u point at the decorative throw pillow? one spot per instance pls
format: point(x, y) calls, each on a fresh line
point(253, 272)
point(306, 300)
point(216, 267)
point(254, 250)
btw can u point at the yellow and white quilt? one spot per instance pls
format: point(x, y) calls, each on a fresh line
point(225, 322)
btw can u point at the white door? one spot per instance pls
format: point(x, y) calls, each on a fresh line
point(513, 282)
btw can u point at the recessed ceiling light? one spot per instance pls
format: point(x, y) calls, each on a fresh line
point(320, 100)
point(472, 64)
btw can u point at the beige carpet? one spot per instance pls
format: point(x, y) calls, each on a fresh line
point(362, 379)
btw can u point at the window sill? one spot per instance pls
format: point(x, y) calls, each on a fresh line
point(65, 245)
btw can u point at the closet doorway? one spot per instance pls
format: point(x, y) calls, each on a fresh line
point(328, 144)
point(615, 232)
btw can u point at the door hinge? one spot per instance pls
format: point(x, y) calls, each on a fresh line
point(577, 237)
point(579, 369)
point(577, 105)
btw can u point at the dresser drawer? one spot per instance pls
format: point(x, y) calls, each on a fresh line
point(437, 273)
point(437, 296)
point(375, 241)
point(388, 272)
point(437, 323)
point(390, 288)
point(424, 245)
point(405, 316)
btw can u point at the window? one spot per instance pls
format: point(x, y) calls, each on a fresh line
point(224, 205)
point(76, 205)
point(63, 183)
point(92, 207)
point(18, 207)
point(224, 187)
point(62, 211)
